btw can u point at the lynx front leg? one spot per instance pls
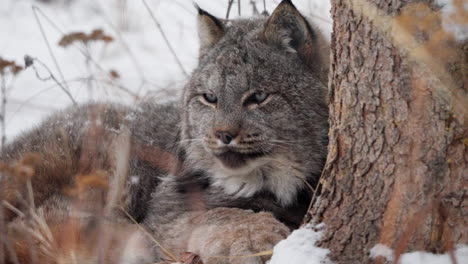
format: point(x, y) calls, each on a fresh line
point(231, 235)
point(224, 235)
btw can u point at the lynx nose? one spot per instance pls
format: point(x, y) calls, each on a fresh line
point(225, 136)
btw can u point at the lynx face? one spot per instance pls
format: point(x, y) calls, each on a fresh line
point(255, 115)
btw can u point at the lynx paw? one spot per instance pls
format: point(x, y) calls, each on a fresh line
point(232, 236)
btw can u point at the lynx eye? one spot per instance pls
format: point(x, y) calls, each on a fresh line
point(256, 98)
point(210, 98)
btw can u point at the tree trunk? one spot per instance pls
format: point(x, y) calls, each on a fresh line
point(397, 168)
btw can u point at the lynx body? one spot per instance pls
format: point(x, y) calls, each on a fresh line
point(249, 133)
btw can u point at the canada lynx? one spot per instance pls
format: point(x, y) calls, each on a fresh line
point(250, 133)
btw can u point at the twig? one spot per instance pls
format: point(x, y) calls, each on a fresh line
point(124, 45)
point(229, 8)
point(54, 59)
point(259, 254)
point(50, 77)
point(254, 7)
point(12, 253)
point(31, 212)
point(312, 201)
point(265, 12)
point(239, 7)
point(165, 38)
point(3, 113)
point(2, 229)
point(167, 252)
point(27, 101)
point(13, 209)
point(90, 77)
point(29, 188)
point(80, 49)
point(122, 7)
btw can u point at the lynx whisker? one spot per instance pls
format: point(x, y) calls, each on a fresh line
point(300, 172)
point(287, 142)
point(258, 135)
point(191, 140)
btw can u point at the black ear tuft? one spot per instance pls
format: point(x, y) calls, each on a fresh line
point(210, 30)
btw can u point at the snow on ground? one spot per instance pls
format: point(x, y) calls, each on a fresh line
point(299, 248)
point(420, 257)
point(146, 66)
point(450, 21)
point(139, 54)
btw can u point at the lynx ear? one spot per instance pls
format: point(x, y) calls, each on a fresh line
point(210, 30)
point(288, 29)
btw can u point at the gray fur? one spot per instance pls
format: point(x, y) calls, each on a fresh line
point(291, 127)
point(280, 145)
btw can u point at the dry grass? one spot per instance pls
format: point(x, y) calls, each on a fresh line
point(37, 237)
point(95, 36)
point(72, 227)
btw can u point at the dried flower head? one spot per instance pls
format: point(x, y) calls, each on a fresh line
point(24, 169)
point(95, 35)
point(114, 74)
point(83, 182)
point(28, 61)
point(9, 66)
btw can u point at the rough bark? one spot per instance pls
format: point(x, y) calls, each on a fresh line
point(397, 169)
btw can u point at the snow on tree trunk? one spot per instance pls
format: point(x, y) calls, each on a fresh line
point(397, 168)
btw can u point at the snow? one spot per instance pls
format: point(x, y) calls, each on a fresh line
point(457, 28)
point(299, 248)
point(139, 54)
point(381, 250)
point(147, 69)
point(420, 257)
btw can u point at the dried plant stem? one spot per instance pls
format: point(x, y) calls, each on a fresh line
point(3, 112)
point(312, 201)
point(165, 38)
point(164, 250)
point(125, 46)
point(11, 251)
point(52, 77)
point(90, 78)
point(85, 54)
point(2, 230)
point(265, 12)
point(254, 8)
point(30, 219)
point(32, 205)
point(13, 209)
point(239, 7)
point(229, 8)
point(52, 55)
point(124, 89)
point(30, 235)
point(122, 15)
point(259, 254)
